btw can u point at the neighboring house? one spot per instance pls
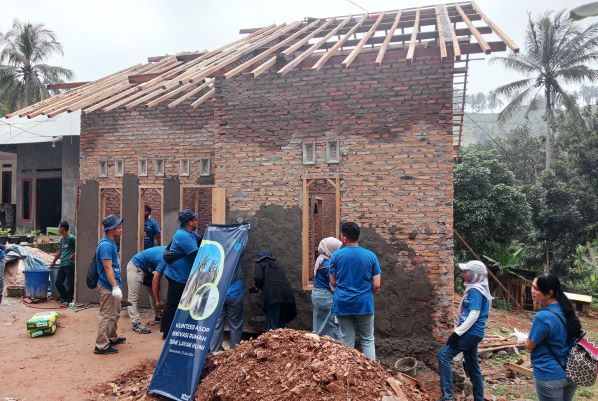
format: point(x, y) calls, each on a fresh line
point(40, 165)
point(296, 127)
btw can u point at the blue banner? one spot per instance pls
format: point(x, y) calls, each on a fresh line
point(188, 343)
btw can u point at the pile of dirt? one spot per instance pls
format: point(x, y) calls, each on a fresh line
point(280, 365)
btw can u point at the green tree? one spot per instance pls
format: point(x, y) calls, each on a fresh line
point(23, 71)
point(490, 211)
point(523, 154)
point(558, 53)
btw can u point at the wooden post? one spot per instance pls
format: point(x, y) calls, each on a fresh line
point(218, 206)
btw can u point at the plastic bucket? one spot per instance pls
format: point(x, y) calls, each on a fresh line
point(36, 283)
point(407, 365)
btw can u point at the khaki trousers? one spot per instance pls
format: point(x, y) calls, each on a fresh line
point(136, 290)
point(109, 313)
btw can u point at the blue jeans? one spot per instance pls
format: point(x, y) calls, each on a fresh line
point(232, 311)
point(468, 344)
point(2, 263)
point(364, 326)
point(555, 390)
point(323, 319)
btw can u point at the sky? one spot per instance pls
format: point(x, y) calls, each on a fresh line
point(101, 37)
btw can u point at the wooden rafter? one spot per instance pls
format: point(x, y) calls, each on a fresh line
point(355, 52)
point(440, 27)
point(478, 36)
point(205, 97)
point(411, 51)
point(263, 67)
point(454, 40)
point(504, 37)
point(320, 63)
point(304, 40)
point(190, 93)
point(388, 38)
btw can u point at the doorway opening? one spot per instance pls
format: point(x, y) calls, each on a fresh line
point(48, 200)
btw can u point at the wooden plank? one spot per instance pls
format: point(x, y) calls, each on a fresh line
point(153, 59)
point(109, 100)
point(355, 52)
point(151, 95)
point(314, 47)
point(411, 380)
point(259, 70)
point(388, 38)
point(497, 348)
point(320, 63)
point(338, 206)
point(396, 387)
point(190, 93)
point(289, 51)
point(519, 369)
point(440, 27)
point(240, 68)
point(66, 85)
point(413, 40)
point(499, 32)
point(170, 94)
point(218, 205)
point(141, 78)
point(190, 56)
point(202, 99)
point(454, 40)
point(305, 235)
point(483, 44)
point(244, 31)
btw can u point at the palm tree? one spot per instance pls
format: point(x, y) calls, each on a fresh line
point(558, 53)
point(23, 73)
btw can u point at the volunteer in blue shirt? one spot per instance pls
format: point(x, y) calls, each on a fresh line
point(109, 284)
point(232, 312)
point(322, 295)
point(140, 271)
point(471, 329)
point(355, 278)
point(554, 328)
point(183, 248)
point(151, 229)
point(2, 263)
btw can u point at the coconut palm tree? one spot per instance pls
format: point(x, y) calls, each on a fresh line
point(557, 53)
point(23, 72)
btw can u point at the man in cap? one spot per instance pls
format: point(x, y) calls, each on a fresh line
point(109, 283)
point(179, 258)
point(470, 330)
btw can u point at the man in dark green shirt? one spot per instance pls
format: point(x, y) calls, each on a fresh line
point(65, 280)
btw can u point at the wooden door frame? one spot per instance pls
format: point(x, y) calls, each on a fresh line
point(218, 216)
point(101, 190)
point(308, 179)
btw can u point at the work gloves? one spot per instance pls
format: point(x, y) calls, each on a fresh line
point(519, 336)
point(117, 293)
point(453, 341)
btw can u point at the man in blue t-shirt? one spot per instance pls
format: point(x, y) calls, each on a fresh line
point(151, 230)
point(183, 250)
point(355, 276)
point(140, 271)
point(109, 286)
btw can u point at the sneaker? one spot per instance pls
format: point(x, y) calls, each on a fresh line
point(157, 317)
point(141, 329)
point(109, 350)
point(64, 304)
point(119, 340)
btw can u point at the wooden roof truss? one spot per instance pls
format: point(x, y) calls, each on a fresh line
point(450, 30)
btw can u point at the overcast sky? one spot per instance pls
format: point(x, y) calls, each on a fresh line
point(102, 36)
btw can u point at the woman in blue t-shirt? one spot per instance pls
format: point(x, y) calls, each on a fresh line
point(322, 295)
point(553, 331)
point(469, 331)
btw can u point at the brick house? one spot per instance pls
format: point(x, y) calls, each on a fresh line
point(296, 127)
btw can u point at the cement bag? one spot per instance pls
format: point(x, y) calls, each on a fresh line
point(42, 332)
point(43, 320)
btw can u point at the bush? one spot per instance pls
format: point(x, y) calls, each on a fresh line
point(502, 304)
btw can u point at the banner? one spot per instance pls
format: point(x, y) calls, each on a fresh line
point(188, 343)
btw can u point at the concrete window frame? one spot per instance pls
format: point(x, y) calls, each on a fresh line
point(142, 168)
point(103, 168)
point(184, 168)
point(309, 152)
point(159, 167)
point(119, 168)
point(205, 166)
point(333, 151)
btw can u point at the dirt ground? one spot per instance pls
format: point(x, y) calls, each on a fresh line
point(63, 366)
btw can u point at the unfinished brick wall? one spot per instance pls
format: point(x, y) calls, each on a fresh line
point(200, 201)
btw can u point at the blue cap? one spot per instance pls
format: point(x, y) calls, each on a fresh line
point(111, 221)
point(264, 254)
point(185, 215)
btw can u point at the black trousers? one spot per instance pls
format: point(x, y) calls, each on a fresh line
point(65, 282)
point(173, 297)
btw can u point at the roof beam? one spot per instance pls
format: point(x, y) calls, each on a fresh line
point(388, 38)
point(141, 78)
point(306, 39)
point(191, 93)
point(313, 48)
point(66, 85)
point(499, 32)
point(353, 55)
point(454, 40)
point(259, 70)
point(411, 50)
point(320, 63)
point(440, 27)
point(474, 30)
point(202, 99)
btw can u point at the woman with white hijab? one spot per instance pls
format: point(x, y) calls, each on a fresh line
point(322, 295)
point(469, 331)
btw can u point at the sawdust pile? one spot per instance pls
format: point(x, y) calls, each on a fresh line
point(281, 365)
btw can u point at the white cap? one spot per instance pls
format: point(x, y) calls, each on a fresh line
point(475, 266)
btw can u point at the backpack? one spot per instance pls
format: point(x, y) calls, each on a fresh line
point(582, 363)
point(92, 274)
point(170, 257)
